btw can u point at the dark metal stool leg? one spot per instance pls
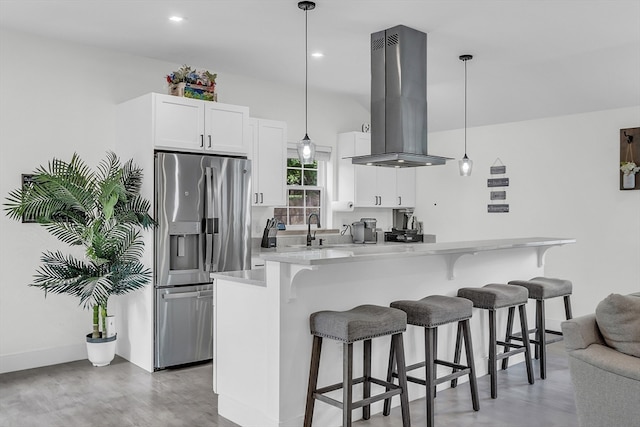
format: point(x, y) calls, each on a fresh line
point(347, 383)
point(435, 357)
point(392, 359)
point(456, 354)
point(525, 341)
point(402, 379)
point(538, 336)
point(313, 379)
point(429, 349)
point(541, 347)
point(366, 392)
point(567, 307)
point(493, 368)
point(512, 310)
point(468, 347)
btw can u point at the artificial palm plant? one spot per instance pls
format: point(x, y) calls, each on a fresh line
point(102, 211)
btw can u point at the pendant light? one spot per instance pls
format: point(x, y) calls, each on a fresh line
point(306, 147)
point(465, 164)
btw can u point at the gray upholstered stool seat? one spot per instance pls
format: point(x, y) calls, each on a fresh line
point(430, 313)
point(545, 287)
point(493, 297)
point(435, 310)
point(361, 323)
point(541, 289)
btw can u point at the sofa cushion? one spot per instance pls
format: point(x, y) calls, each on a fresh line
point(618, 318)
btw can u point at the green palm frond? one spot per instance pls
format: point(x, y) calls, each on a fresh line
point(132, 177)
point(109, 167)
point(67, 275)
point(135, 211)
point(130, 276)
point(61, 192)
point(102, 211)
point(71, 233)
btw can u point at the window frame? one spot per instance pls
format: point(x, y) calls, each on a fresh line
point(321, 179)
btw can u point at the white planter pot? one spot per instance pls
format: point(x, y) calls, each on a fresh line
point(101, 351)
point(629, 180)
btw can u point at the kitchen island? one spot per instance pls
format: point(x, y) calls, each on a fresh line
point(262, 344)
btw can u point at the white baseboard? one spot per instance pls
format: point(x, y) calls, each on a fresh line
point(42, 357)
point(243, 415)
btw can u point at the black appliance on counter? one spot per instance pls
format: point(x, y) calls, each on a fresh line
point(406, 228)
point(403, 235)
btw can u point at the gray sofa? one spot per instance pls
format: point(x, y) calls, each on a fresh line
point(604, 362)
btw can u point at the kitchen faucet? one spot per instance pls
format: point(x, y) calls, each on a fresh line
point(309, 238)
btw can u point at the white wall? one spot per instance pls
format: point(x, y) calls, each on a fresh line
point(59, 98)
point(564, 182)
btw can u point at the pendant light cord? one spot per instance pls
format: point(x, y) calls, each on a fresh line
point(465, 108)
point(306, 74)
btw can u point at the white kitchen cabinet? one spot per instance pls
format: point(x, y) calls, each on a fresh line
point(187, 124)
point(371, 186)
point(405, 187)
point(269, 162)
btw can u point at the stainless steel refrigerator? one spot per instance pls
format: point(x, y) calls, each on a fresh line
point(203, 210)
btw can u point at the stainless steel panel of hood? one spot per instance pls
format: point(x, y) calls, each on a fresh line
point(398, 100)
point(402, 160)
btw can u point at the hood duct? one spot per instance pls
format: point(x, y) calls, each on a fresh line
point(399, 100)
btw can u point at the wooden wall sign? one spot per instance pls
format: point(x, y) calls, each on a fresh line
point(630, 152)
point(496, 194)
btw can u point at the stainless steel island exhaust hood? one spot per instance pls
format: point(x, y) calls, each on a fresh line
point(399, 100)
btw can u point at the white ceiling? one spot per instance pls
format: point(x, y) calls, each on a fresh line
point(532, 58)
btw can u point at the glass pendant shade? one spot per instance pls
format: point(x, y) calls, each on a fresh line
point(465, 165)
point(306, 150)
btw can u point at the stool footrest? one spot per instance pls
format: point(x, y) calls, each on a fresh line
point(395, 390)
point(517, 350)
point(338, 386)
point(460, 371)
point(518, 337)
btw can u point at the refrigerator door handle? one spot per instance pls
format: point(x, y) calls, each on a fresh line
point(205, 294)
point(209, 226)
point(181, 295)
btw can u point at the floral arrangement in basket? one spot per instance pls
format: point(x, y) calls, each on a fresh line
point(192, 84)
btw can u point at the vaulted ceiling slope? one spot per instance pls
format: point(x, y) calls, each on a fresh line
point(532, 58)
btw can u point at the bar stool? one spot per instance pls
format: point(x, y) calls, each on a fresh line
point(429, 313)
point(493, 297)
point(361, 323)
point(541, 289)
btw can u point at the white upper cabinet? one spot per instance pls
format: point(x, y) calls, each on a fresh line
point(405, 187)
point(187, 124)
point(269, 162)
point(371, 186)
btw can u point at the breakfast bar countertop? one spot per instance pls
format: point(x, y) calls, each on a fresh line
point(331, 254)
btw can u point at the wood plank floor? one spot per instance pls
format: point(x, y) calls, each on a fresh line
point(77, 394)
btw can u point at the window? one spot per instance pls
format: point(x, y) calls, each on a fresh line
point(305, 193)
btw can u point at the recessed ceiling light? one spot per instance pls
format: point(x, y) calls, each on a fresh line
point(317, 54)
point(176, 18)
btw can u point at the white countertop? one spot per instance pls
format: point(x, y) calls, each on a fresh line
point(251, 277)
point(332, 254)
